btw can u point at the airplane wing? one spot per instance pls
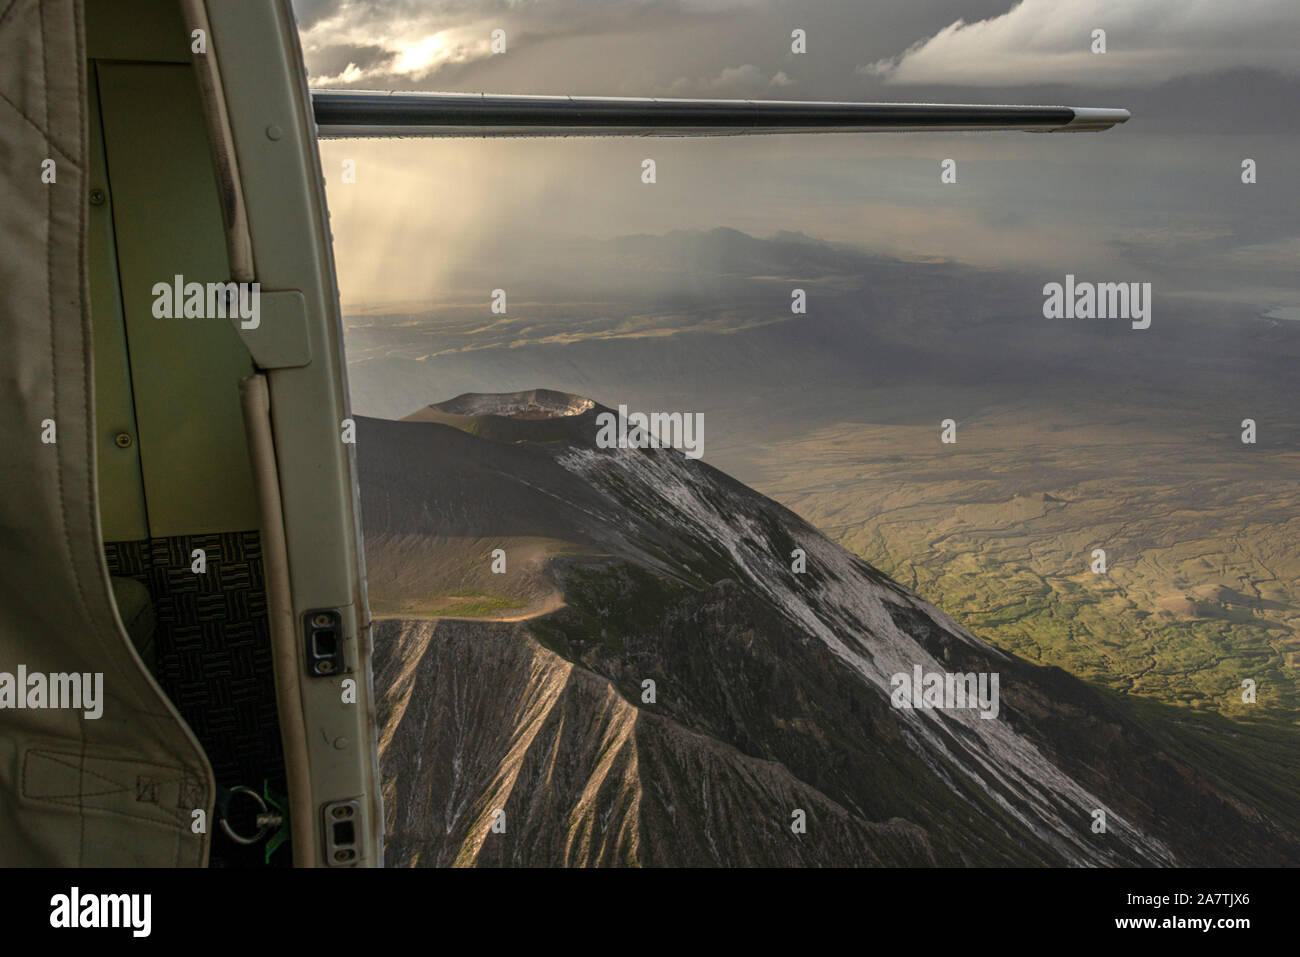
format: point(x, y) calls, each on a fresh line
point(347, 113)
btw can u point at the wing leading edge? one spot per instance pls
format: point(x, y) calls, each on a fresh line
point(347, 113)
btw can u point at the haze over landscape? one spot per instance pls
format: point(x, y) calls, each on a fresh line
point(1071, 435)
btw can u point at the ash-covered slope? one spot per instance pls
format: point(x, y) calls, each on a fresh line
point(771, 688)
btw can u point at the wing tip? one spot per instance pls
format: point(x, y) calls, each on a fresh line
point(1088, 118)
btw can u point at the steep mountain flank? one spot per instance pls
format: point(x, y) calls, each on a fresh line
point(649, 681)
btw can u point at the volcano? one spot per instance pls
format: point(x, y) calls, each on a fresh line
point(591, 656)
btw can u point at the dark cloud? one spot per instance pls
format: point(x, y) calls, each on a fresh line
point(1161, 194)
point(309, 12)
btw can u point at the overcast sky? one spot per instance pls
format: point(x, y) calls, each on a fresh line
point(1209, 84)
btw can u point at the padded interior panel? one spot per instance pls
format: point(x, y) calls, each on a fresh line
point(120, 789)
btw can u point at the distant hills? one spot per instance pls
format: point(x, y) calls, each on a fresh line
point(1070, 435)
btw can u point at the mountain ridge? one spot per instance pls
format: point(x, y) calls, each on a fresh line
point(672, 572)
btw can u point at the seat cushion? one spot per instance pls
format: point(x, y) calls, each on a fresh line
point(136, 608)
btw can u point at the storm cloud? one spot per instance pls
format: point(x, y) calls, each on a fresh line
point(1209, 85)
point(1052, 41)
